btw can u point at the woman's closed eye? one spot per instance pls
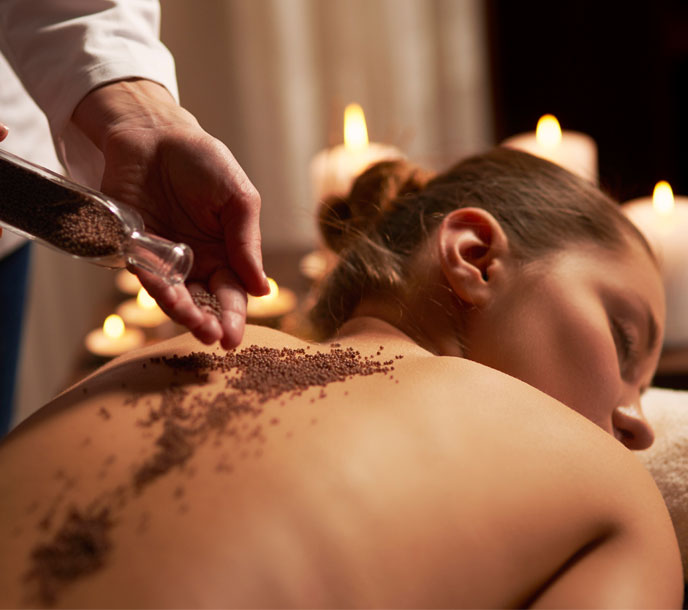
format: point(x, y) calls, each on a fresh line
point(626, 340)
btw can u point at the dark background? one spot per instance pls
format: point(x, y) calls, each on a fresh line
point(616, 71)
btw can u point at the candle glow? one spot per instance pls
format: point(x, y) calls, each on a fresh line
point(355, 129)
point(574, 151)
point(272, 295)
point(663, 220)
point(272, 306)
point(113, 338)
point(334, 169)
point(548, 131)
point(142, 311)
point(113, 327)
point(663, 198)
point(144, 300)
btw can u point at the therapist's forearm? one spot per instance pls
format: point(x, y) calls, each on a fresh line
point(128, 104)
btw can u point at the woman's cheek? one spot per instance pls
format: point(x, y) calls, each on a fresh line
point(586, 371)
point(599, 382)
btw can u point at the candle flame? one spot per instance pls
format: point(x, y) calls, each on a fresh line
point(355, 130)
point(144, 300)
point(548, 131)
point(113, 327)
point(663, 198)
point(272, 295)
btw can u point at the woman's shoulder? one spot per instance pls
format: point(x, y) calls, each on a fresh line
point(503, 421)
point(552, 480)
point(479, 473)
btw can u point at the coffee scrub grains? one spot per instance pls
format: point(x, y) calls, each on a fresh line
point(174, 424)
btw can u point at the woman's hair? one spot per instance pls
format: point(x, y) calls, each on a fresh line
point(393, 206)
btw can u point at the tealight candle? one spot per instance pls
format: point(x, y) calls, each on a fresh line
point(142, 311)
point(334, 169)
point(127, 282)
point(663, 219)
point(575, 151)
point(271, 307)
point(114, 338)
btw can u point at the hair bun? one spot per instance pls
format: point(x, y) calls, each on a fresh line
point(373, 193)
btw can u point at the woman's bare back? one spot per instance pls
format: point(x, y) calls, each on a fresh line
point(362, 473)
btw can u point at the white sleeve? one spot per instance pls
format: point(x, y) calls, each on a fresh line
point(62, 49)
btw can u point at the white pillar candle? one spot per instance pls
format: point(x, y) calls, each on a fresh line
point(663, 219)
point(575, 151)
point(334, 169)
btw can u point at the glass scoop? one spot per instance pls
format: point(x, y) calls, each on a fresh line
point(83, 223)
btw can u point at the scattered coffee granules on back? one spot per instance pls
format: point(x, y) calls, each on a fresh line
point(56, 214)
point(175, 448)
point(256, 374)
point(186, 421)
point(78, 548)
point(270, 372)
point(208, 302)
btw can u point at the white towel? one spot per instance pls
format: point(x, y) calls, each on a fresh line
point(667, 458)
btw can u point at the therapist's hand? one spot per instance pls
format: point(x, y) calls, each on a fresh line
point(189, 188)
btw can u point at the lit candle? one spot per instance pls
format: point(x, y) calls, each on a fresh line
point(271, 307)
point(114, 338)
point(334, 169)
point(663, 219)
point(142, 311)
point(127, 282)
point(573, 150)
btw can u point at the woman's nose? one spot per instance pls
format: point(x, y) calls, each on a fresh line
point(634, 430)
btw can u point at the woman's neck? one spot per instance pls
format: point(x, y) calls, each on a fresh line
point(432, 328)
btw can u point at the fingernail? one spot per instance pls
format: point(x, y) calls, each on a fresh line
point(266, 284)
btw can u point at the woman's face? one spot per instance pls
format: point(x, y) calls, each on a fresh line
point(584, 326)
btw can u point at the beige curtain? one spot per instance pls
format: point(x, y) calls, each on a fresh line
point(270, 78)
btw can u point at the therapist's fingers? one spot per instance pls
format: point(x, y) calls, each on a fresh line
point(231, 296)
point(207, 325)
point(174, 300)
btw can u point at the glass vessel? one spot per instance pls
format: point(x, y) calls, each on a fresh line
point(83, 223)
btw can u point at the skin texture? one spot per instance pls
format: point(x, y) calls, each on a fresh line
point(443, 483)
point(581, 316)
point(188, 187)
point(433, 491)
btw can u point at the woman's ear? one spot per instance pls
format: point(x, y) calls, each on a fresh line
point(472, 249)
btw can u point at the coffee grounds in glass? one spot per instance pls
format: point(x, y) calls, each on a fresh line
point(66, 219)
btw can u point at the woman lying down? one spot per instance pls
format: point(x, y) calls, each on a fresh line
point(460, 439)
